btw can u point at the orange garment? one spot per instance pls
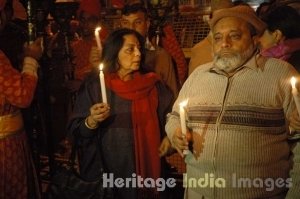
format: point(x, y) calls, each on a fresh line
point(201, 53)
point(160, 62)
point(18, 179)
point(172, 46)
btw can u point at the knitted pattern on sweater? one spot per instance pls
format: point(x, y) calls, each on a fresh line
point(240, 130)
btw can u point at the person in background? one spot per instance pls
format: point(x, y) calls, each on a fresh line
point(240, 108)
point(263, 8)
point(201, 53)
point(12, 37)
point(126, 131)
point(85, 47)
point(18, 178)
point(134, 16)
point(281, 39)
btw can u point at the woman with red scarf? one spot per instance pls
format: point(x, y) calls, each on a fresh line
point(125, 133)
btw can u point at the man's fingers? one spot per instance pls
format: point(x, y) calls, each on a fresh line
point(180, 152)
point(180, 142)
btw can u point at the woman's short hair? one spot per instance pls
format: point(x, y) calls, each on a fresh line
point(284, 18)
point(113, 45)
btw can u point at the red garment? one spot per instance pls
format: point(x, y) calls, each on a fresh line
point(17, 176)
point(81, 50)
point(143, 93)
point(2, 3)
point(118, 3)
point(92, 7)
point(172, 46)
point(16, 89)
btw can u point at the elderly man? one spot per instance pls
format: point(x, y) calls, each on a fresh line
point(201, 53)
point(239, 109)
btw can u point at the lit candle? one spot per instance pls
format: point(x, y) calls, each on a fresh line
point(295, 94)
point(102, 84)
point(98, 39)
point(182, 106)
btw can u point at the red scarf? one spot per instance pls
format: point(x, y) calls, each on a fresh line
point(142, 92)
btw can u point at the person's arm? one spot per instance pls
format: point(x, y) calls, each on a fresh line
point(88, 113)
point(18, 88)
point(165, 98)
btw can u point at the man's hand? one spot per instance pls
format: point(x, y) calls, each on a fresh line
point(180, 142)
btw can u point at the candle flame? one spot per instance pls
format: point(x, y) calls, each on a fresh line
point(293, 82)
point(183, 103)
point(101, 67)
point(97, 30)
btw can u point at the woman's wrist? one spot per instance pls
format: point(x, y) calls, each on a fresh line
point(91, 123)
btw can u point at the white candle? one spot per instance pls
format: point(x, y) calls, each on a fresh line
point(102, 84)
point(182, 120)
point(295, 94)
point(98, 39)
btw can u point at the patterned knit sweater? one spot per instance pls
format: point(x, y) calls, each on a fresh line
point(240, 132)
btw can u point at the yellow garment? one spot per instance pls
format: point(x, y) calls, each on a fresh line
point(11, 124)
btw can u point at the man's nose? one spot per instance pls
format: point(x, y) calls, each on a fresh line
point(137, 52)
point(132, 26)
point(225, 42)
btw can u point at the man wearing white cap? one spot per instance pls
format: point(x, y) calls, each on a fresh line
point(240, 108)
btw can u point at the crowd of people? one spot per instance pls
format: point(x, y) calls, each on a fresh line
point(241, 117)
